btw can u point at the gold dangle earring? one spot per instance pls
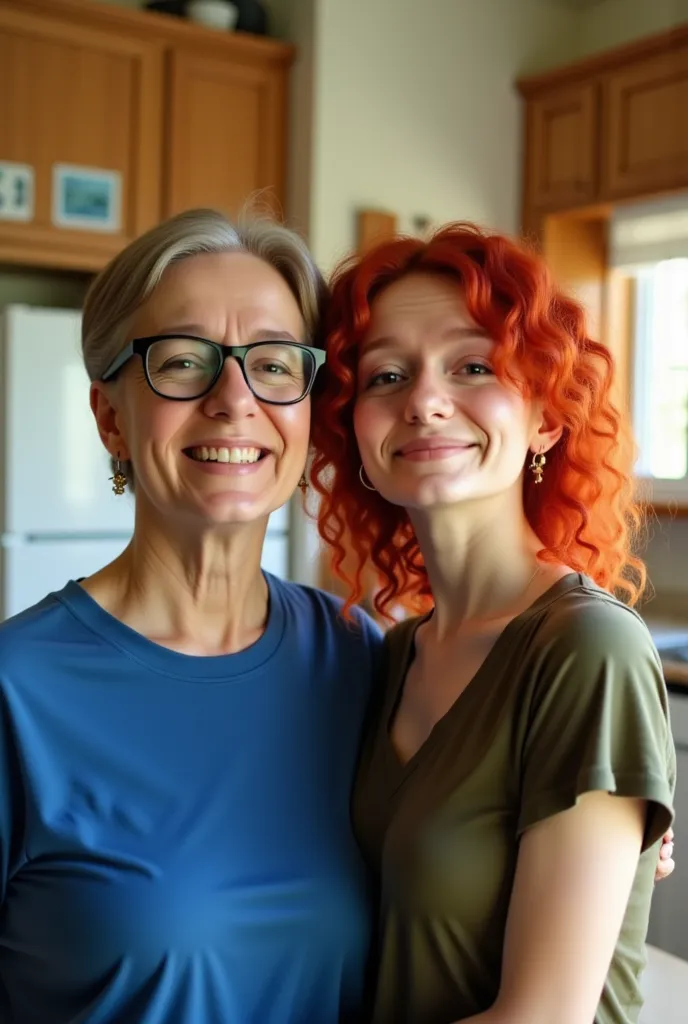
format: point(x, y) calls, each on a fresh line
point(119, 480)
point(303, 483)
point(537, 466)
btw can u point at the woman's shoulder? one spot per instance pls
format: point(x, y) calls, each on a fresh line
point(583, 645)
point(32, 640)
point(40, 621)
point(322, 610)
point(580, 617)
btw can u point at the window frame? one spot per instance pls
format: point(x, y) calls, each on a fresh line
point(655, 490)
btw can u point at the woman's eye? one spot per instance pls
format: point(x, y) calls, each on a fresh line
point(273, 368)
point(386, 377)
point(476, 370)
point(182, 363)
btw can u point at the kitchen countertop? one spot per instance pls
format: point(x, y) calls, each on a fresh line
point(675, 673)
point(669, 631)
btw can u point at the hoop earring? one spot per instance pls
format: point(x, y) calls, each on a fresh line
point(361, 477)
point(537, 466)
point(119, 480)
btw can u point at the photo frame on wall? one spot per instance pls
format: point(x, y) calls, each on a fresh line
point(17, 188)
point(86, 198)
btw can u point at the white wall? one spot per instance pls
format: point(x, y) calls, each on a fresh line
point(614, 22)
point(415, 108)
point(408, 106)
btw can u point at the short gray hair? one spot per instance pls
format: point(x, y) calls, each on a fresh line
point(131, 277)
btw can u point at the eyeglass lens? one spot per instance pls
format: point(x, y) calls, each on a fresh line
point(277, 371)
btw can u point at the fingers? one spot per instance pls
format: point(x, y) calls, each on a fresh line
point(664, 868)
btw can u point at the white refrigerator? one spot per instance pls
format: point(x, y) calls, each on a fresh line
point(59, 519)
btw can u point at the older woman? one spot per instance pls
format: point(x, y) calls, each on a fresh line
point(179, 731)
point(519, 770)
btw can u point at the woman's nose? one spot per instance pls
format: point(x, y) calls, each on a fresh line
point(428, 399)
point(231, 396)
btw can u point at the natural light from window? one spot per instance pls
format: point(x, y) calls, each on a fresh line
point(660, 384)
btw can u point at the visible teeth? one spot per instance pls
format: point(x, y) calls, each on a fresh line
point(234, 455)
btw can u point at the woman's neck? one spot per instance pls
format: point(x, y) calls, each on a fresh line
point(481, 559)
point(196, 591)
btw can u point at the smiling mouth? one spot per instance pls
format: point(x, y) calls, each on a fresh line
point(235, 456)
point(430, 452)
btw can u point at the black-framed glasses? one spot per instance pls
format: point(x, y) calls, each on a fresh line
point(182, 367)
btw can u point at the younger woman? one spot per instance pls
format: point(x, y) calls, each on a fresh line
point(519, 771)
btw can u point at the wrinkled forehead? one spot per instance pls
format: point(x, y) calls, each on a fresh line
point(214, 291)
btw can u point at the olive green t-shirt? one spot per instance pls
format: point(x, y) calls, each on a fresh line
point(570, 699)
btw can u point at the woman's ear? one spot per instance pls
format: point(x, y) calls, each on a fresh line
point(106, 420)
point(546, 434)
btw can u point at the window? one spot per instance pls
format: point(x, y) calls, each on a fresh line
point(648, 243)
point(660, 370)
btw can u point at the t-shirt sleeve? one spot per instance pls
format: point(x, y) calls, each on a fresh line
point(597, 718)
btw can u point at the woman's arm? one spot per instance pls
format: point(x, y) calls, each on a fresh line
point(573, 879)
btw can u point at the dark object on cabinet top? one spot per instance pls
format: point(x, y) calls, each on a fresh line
point(252, 18)
point(175, 7)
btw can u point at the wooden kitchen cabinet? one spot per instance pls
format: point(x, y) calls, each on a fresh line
point(226, 131)
point(613, 126)
point(187, 116)
point(80, 95)
point(563, 147)
point(646, 126)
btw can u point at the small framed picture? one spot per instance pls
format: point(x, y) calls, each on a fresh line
point(84, 197)
point(16, 191)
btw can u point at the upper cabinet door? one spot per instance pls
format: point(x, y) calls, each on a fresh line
point(78, 94)
point(227, 132)
point(646, 126)
point(562, 147)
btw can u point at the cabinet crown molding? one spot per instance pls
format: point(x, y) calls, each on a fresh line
point(600, 64)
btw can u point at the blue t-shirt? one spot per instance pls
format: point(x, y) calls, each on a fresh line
point(175, 842)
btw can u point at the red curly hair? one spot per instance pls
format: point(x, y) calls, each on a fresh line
point(583, 511)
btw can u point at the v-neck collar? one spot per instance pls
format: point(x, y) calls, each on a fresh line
point(497, 651)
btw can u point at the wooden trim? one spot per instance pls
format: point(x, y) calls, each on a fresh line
point(373, 227)
point(147, 136)
point(52, 255)
point(600, 64)
point(672, 509)
point(619, 322)
point(53, 27)
point(161, 29)
point(276, 97)
point(576, 253)
point(675, 672)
